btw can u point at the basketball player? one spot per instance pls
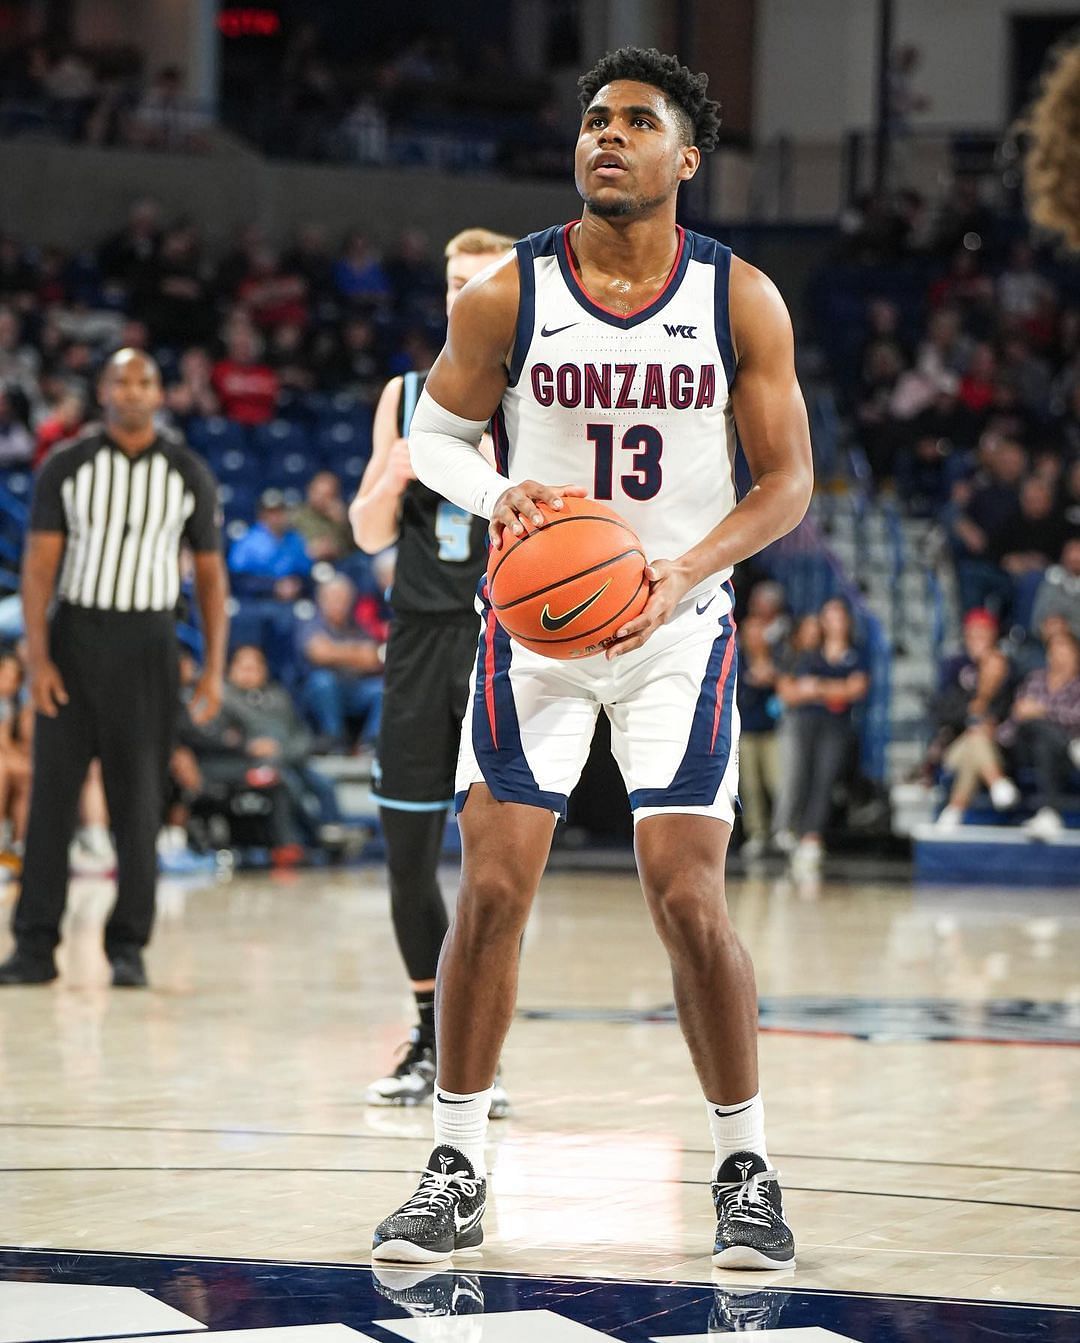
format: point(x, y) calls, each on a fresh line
point(618, 355)
point(429, 656)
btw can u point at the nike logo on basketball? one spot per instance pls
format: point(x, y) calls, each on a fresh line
point(554, 331)
point(554, 623)
point(702, 607)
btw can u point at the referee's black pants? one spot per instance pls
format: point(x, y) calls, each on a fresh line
point(120, 673)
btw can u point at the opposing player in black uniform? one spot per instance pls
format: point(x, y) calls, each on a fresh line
point(432, 646)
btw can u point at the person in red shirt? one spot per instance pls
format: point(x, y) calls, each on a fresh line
point(272, 295)
point(64, 422)
point(246, 388)
point(977, 384)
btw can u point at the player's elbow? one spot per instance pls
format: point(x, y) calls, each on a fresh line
point(803, 486)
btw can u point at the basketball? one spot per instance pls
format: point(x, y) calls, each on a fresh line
point(564, 588)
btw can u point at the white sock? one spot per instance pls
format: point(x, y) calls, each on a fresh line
point(737, 1128)
point(461, 1121)
point(172, 839)
point(98, 840)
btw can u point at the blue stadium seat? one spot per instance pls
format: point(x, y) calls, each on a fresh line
point(350, 472)
point(343, 407)
point(20, 483)
point(214, 436)
point(289, 469)
point(341, 441)
point(238, 499)
point(237, 464)
point(278, 438)
point(17, 483)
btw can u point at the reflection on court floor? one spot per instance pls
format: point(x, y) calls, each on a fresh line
point(56, 1295)
point(995, 1021)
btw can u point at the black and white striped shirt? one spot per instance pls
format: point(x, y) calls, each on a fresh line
point(124, 519)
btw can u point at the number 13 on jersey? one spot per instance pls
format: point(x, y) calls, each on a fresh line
point(645, 476)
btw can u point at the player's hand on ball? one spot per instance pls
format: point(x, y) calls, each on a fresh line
point(47, 689)
point(519, 502)
point(668, 585)
point(206, 701)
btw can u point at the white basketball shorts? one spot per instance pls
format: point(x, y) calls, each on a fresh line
point(671, 704)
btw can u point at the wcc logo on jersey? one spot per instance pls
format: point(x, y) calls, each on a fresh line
point(687, 332)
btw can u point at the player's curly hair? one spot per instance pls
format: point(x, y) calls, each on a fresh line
point(1052, 157)
point(700, 115)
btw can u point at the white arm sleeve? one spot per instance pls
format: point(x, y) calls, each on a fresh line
point(445, 456)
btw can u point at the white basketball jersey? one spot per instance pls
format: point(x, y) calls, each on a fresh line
point(635, 408)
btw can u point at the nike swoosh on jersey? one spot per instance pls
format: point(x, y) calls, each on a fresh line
point(701, 609)
point(554, 331)
point(555, 623)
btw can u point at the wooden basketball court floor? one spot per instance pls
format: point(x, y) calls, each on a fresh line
point(921, 1070)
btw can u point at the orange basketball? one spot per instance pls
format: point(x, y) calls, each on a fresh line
point(564, 588)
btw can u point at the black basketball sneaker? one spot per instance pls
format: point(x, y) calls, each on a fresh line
point(412, 1081)
point(441, 1217)
point(750, 1227)
point(426, 1294)
point(739, 1311)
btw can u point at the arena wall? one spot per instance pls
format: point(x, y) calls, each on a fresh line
point(66, 195)
point(814, 81)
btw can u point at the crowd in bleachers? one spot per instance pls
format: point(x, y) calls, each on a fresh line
point(436, 100)
point(802, 686)
point(994, 724)
point(961, 378)
point(100, 96)
point(272, 362)
point(426, 101)
point(249, 331)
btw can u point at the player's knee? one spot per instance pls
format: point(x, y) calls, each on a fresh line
point(688, 907)
point(492, 907)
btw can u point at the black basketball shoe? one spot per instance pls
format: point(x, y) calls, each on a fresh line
point(412, 1081)
point(750, 1227)
point(441, 1217)
point(425, 1294)
point(740, 1311)
point(23, 968)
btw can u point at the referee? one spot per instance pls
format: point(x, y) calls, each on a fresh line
point(109, 514)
